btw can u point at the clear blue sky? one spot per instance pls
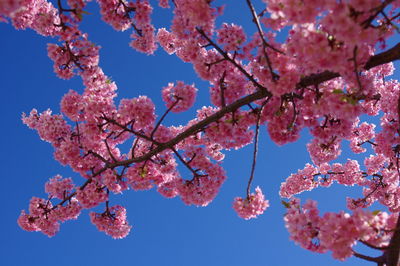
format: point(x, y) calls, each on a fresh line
point(165, 231)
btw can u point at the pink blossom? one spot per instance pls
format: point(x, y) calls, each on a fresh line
point(69, 212)
point(143, 11)
point(91, 195)
point(114, 13)
point(144, 42)
point(167, 40)
point(72, 105)
point(302, 181)
point(41, 218)
point(251, 206)
point(163, 3)
point(140, 177)
point(116, 147)
point(336, 232)
point(179, 97)
point(323, 152)
point(113, 182)
point(231, 36)
point(140, 110)
point(51, 128)
point(112, 222)
point(190, 14)
point(59, 187)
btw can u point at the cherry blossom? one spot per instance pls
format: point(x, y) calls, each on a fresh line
point(179, 97)
point(112, 222)
point(251, 206)
point(328, 75)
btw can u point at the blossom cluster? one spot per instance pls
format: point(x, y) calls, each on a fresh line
point(46, 218)
point(112, 222)
point(179, 97)
point(251, 206)
point(255, 81)
point(337, 232)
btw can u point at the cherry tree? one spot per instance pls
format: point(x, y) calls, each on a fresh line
point(330, 74)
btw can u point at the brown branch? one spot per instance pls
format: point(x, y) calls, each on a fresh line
point(368, 258)
point(260, 31)
point(163, 116)
point(222, 87)
point(71, 195)
point(372, 246)
point(366, 23)
point(194, 128)
point(124, 127)
point(392, 254)
point(356, 68)
point(253, 166)
point(98, 156)
point(295, 113)
point(72, 57)
point(237, 65)
point(274, 76)
point(134, 147)
point(382, 58)
point(195, 174)
point(109, 151)
point(61, 9)
point(389, 21)
point(388, 56)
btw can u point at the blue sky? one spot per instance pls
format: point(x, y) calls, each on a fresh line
point(165, 231)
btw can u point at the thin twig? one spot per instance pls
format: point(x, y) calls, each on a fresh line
point(253, 166)
point(274, 76)
point(260, 31)
point(366, 23)
point(185, 163)
point(356, 68)
point(238, 66)
point(163, 116)
point(138, 134)
point(222, 88)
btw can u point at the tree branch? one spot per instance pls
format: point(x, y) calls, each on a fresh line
point(198, 126)
point(187, 164)
point(253, 166)
point(163, 116)
point(314, 79)
point(372, 246)
point(274, 76)
point(392, 253)
point(227, 57)
point(368, 258)
point(388, 56)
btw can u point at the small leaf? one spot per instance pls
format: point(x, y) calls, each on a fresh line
point(376, 212)
point(352, 101)
point(143, 172)
point(337, 91)
point(349, 99)
point(286, 204)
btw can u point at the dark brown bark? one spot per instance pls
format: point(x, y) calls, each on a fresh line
point(390, 55)
point(391, 255)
